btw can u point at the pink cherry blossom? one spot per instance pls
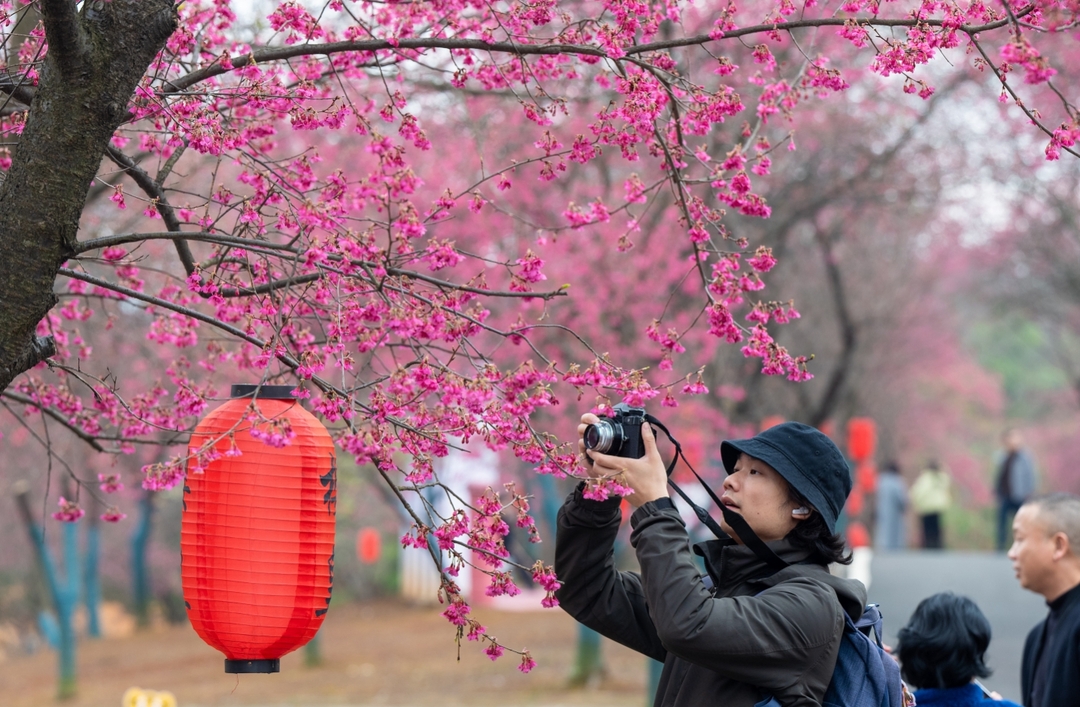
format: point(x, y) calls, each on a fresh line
point(69, 511)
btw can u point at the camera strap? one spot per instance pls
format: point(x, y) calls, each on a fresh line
point(735, 521)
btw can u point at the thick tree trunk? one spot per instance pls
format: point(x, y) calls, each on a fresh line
point(94, 63)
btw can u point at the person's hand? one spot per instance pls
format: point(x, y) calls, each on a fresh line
point(646, 476)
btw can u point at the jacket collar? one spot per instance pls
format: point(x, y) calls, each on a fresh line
point(1068, 599)
point(963, 696)
point(730, 564)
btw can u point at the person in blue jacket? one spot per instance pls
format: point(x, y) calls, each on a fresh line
point(941, 652)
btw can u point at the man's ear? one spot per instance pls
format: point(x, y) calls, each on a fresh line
point(1061, 545)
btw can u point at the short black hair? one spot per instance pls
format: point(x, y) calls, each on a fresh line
point(813, 534)
point(944, 641)
point(1060, 512)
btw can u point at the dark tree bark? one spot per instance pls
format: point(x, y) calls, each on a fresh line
point(838, 376)
point(95, 60)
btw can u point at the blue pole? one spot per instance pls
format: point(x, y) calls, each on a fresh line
point(64, 596)
point(588, 660)
point(92, 578)
point(313, 652)
point(67, 601)
point(655, 668)
point(139, 574)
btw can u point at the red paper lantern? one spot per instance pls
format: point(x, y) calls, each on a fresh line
point(862, 438)
point(771, 421)
point(257, 536)
point(866, 476)
point(368, 545)
point(854, 503)
point(858, 535)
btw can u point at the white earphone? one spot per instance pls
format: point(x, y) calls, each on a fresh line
point(801, 511)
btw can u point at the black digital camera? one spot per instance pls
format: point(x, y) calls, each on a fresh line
point(618, 435)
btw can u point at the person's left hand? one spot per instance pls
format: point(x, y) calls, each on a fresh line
point(646, 476)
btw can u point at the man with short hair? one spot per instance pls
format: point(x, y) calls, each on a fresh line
point(1046, 558)
point(1014, 482)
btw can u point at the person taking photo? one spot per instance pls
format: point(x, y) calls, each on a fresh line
point(746, 629)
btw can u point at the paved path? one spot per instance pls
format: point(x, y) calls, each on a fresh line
point(900, 580)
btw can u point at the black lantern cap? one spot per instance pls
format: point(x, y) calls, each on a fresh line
point(253, 666)
point(268, 392)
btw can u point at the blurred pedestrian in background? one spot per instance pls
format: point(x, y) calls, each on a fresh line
point(892, 503)
point(941, 652)
point(931, 496)
point(1014, 481)
point(1044, 554)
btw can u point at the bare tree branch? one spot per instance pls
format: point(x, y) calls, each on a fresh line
point(26, 400)
point(157, 195)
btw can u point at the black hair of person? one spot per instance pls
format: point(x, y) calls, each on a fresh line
point(943, 644)
point(813, 534)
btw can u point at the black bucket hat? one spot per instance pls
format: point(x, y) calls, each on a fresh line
point(806, 458)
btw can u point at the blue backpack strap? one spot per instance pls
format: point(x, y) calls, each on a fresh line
point(865, 675)
point(871, 619)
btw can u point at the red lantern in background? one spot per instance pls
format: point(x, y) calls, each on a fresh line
point(854, 505)
point(827, 428)
point(866, 476)
point(257, 536)
point(771, 421)
point(858, 535)
point(862, 438)
point(368, 545)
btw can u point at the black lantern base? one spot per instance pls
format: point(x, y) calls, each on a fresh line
point(265, 392)
point(253, 666)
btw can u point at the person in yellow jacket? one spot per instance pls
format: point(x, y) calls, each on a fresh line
point(931, 496)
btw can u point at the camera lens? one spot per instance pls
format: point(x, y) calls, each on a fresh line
point(599, 436)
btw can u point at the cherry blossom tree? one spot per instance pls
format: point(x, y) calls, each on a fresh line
point(289, 201)
point(1024, 292)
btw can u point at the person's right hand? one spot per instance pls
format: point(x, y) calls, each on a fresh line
point(646, 477)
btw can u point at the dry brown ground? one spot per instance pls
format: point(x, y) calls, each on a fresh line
point(385, 653)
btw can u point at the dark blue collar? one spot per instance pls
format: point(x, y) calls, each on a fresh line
point(966, 696)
